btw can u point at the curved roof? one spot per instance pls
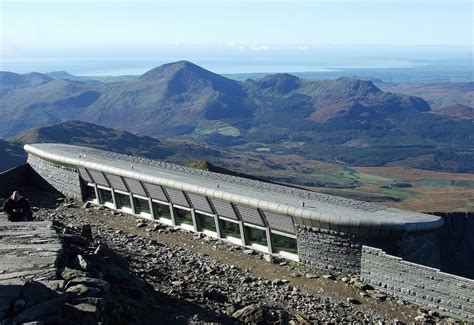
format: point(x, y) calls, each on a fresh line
point(319, 210)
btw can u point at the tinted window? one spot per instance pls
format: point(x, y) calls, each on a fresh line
point(183, 216)
point(106, 196)
point(161, 211)
point(123, 200)
point(229, 229)
point(141, 206)
point(283, 243)
point(89, 193)
point(256, 236)
point(205, 222)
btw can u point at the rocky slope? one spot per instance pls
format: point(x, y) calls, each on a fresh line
point(12, 155)
point(121, 270)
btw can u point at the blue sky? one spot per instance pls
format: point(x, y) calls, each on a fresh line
point(93, 28)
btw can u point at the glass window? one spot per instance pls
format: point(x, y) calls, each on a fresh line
point(106, 196)
point(285, 244)
point(89, 193)
point(161, 211)
point(205, 222)
point(229, 229)
point(256, 236)
point(183, 216)
point(141, 205)
point(123, 200)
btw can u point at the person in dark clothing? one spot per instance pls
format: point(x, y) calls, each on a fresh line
point(17, 208)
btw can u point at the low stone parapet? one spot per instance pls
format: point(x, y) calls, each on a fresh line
point(429, 287)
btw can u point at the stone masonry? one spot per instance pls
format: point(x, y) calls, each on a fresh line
point(419, 284)
point(328, 249)
point(63, 179)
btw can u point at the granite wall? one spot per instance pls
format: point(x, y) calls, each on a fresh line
point(62, 178)
point(328, 249)
point(338, 251)
point(429, 287)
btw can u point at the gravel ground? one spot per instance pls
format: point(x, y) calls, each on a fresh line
point(198, 278)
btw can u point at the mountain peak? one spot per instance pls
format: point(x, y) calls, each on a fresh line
point(11, 79)
point(184, 76)
point(360, 87)
point(170, 69)
point(60, 75)
point(347, 87)
point(281, 83)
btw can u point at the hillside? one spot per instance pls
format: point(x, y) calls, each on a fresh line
point(438, 95)
point(100, 137)
point(12, 155)
point(346, 120)
point(460, 111)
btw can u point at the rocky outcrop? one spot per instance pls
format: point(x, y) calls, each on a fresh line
point(46, 277)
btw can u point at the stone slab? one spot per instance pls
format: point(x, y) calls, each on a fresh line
point(28, 251)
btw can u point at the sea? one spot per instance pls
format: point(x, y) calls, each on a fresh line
point(387, 66)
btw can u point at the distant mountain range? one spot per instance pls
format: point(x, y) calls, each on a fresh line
point(345, 120)
point(438, 95)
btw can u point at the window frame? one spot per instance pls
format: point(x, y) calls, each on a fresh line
point(147, 200)
point(287, 255)
point(124, 209)
point(110, 205)
point(162, 219)
point(233, 240)
point(93, 186)
point(207, 231)
point(256, 246)
point(185, 226)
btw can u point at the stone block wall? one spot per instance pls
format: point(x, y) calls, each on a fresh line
point(63, 179)
point(328, 249)
point(429, 287)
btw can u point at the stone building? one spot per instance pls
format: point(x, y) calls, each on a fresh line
point(317, 229)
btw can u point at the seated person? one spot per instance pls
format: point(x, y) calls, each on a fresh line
point(17, 208)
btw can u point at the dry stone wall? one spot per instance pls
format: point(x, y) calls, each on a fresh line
point(63, 179)
point(429, 287)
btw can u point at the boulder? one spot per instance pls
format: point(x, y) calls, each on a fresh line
point(35, 293)
point(69, 274)
point(49, 312)
point(90, 282)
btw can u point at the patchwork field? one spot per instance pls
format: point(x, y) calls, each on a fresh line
point(402, 187)
point(226, 131)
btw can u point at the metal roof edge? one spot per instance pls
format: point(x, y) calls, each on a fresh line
point(295, 212)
